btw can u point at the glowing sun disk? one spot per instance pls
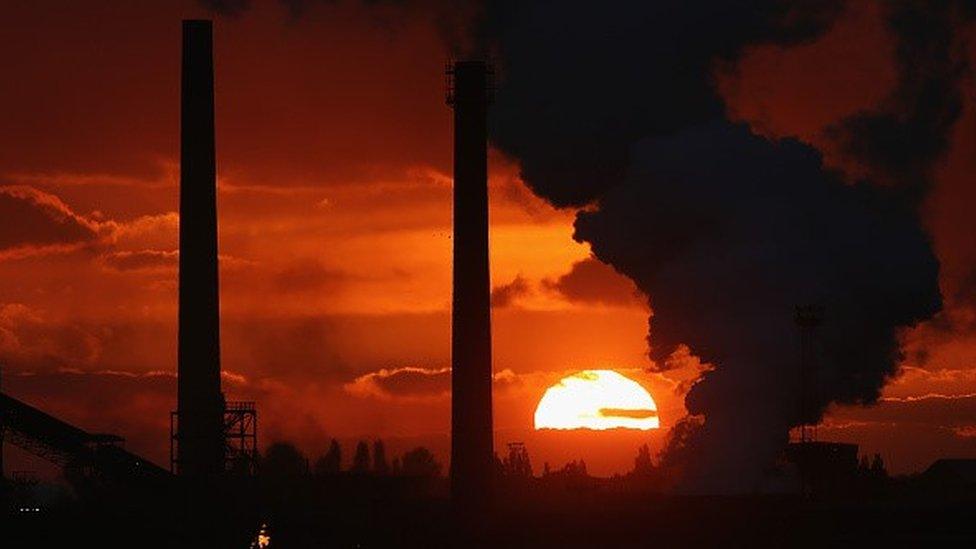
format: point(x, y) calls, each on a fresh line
point(596, 399)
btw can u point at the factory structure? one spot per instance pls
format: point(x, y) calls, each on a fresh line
point(469, 91)
point(822, 466)
point(211, 437)
point(208, 435)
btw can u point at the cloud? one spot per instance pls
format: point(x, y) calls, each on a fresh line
point(157, 231)
point(37, 222)
point(142, 260)
point(29, 338)
point(936, 410)
point(592, 281)
point(572, 132)
point(912, 380)
point(414, 383)
point(901, 141)
point(627, 413)
point(407, 382)
point(506, 294)
point(723, 230)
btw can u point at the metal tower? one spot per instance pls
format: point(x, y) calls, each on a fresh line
point(808, 318)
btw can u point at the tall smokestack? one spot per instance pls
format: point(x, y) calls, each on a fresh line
point(472, 456)
point(200, 449)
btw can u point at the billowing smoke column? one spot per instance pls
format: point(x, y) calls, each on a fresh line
point(200, 402)
point(726, 231)
point(471, 415)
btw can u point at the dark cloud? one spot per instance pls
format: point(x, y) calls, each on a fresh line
point(142, 260)
point(579, 85)
point(506, 294)
point(727, 232)
point(899, 142)
point(407, 382)
point(592, 281)
point(36, 220)
point(935, 410)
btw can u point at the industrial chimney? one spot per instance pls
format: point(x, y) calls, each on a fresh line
point(472, 456)
point(200, 403)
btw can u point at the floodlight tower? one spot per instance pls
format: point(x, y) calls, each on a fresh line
point(808, 318)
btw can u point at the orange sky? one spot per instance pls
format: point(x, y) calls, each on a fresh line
point(334, 200)
point(334, 177)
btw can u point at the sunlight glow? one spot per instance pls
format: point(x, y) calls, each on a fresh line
point(596, 399)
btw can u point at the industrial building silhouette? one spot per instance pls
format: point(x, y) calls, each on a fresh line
point(214, 440)
point(209, 436)
point(472, 455)
point(200, 403)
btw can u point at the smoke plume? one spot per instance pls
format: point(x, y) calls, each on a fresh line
point(900, 141)
point(724, 230)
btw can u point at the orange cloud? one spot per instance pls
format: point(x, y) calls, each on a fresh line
point(142, 260)
point(36, 222)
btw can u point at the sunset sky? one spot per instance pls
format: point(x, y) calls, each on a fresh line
point(334, 178)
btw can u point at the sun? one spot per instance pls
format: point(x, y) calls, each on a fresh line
point(596, 399)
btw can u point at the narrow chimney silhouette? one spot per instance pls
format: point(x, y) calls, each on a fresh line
point(200, 404)
point(472, 456)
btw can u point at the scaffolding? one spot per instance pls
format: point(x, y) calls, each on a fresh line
point(240, 439)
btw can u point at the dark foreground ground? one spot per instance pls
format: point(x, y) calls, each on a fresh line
point(374, 517)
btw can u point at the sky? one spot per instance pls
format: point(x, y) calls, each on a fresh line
point(334, 181)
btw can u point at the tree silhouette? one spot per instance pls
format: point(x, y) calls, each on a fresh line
point(573, 469)
point(360, 461)
point(643, 465)
point(380, 466)
point(419, 462)
point(683, 440)
point(517, 463)
point(283, 460)
point(878, 467)
point(331, 462)
point(497, 466)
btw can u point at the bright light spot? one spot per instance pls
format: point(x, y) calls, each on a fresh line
point(263, 539)
point(596, 399)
